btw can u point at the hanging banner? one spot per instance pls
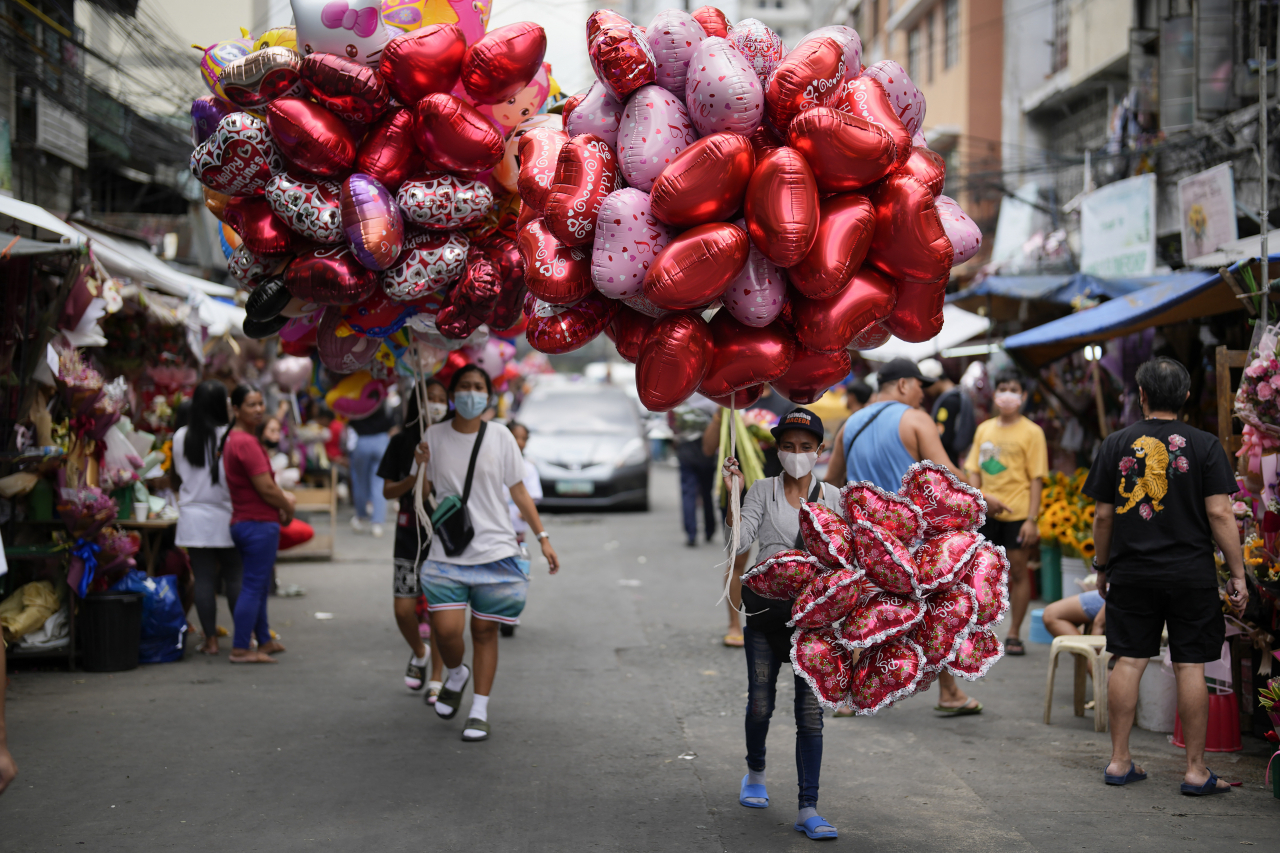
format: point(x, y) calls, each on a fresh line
point(1207, 209)
point(61, 132)
point(1118, 229)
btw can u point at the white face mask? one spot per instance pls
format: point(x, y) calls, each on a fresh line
point(797, 464)
point(1008, 401)
point(437, 411)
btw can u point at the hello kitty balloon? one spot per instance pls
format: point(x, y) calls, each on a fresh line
point(347, 28)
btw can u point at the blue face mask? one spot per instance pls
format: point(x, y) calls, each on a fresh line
point(470, 404)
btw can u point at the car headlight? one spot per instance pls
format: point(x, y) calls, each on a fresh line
point(633, 452)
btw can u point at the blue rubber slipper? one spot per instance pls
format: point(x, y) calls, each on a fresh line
point(755, 792)
point(810, 828)
point(1209, 787)
point(1132, 776)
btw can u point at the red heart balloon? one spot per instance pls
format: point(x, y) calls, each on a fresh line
point(741, 400)
point(371, 220)
point(944, 558)
point(455, 135)
point(886, 674)
point(878, 618)
point(713, 21)
point(238, 158)
point(706, 182)
point(744, 356)
point(977, 654)
point(827, 536)
point(555, 330)
point(987, 574)
point(884, 558)
point(423, 62)
point(867, 99)
point(846, 226)
point(622, 60)
point(948, 620)
point(696, 267)
point(388, 153)
point(947, 503)
point(601, 20)
point(263, 232)
point(539, 153)
point(430, 262)
point(845, 151)
point(827, 599)
point(378, 316)
point(868, 502)
point(673, 361)
point(586, 172)
point(311, 208)
point(255, 80)
point(330, 275)
point(628, 331)
point(310, 137)
point(927, 167)
point(570, 104)
point(812, 374)
point(828, 325)
point(340, 348)
point(503, 61)
point(917, 316)
point(348, 89)
point(824, 665)
point(783, 576)
point(470, 303)
point(809, 76)
point(910, 243)
point(763, 140)
point(782, 207)
point(508, 317)
point(872, 337)
point(555, 273)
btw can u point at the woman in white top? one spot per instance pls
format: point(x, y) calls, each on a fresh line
point(204, 504)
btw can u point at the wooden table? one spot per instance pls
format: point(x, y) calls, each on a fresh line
point(151, 531)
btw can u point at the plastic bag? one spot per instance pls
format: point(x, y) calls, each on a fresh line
point(164, 624)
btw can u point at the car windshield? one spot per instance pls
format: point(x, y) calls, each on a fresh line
point(590, 414)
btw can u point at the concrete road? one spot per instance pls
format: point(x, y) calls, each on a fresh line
point(617, 725)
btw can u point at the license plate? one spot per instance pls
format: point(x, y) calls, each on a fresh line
point(575, 487)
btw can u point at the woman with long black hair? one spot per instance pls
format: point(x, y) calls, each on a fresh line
point(204, 504)
point(258, 508)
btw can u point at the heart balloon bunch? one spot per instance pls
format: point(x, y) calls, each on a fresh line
point(892, 591)
point(769, 210)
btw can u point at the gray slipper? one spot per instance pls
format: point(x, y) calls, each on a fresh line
point(478, 725)
point(452, 698)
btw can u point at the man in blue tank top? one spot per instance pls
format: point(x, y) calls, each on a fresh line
point(879, 443)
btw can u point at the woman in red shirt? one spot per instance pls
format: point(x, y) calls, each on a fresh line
point(258, 508)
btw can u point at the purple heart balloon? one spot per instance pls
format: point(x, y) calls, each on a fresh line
point(371, 220)
point(673, 36)
point(628, 238)
point(206, 112)
point(756, 297)
point(598, 112)
point(655, 128)
point(722, 92)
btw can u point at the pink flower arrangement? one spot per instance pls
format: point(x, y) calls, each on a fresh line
point(1177, 442)
point(1258, 397)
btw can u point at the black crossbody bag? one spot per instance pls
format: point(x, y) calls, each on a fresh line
point(451, 519)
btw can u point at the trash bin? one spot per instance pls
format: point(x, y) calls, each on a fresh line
point(110, 631)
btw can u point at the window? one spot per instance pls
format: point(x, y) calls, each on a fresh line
point(951, 32)
point(929, 47)
point(1061, 29)
point(913, 53)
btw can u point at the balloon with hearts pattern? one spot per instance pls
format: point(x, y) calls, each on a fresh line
point(886, 674)
point(823, 664)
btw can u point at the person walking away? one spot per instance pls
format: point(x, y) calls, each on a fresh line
point(533, 484)
point(1009, 459)
point(372, 437)
point(258, 508)
point(770, 515)
point(485, 574)
point(879, 444)
point(689, 421)
point(1163, 492)
point(406, 454)
point(204, 507)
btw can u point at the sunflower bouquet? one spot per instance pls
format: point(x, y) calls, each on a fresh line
point(1066, 515)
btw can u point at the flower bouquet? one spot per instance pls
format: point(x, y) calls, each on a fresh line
point(85, 512)
point(1067, 514)
point(81, 385)
point(1258, 397)
point(116, 554)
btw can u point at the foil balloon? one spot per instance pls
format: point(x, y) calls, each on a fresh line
point(828, 598)
point(759, 45)
point(865, 501)
point(963, 232)
point(740, 400)
point(371, 221)
point(763, 140)
point(704, 183)
point(503, 62)
point(759, 293)
point(555, 273)
point(823, 664)
point(262, 231)
point(847, 224)
point(388, 153)
point(917, 317)
point(267, 300)
point(524, 104)
point(454, 135)
point(292, 373)
point(944, 558)
point(276, 37)
point(598, 113)
point(440, 201)
point(987, 574)
point(627, 241)
point(622, 60)
point(570, 104)
point(258, 330)
point(743, 356)
point(878, 618)
point(238, 158)
point(812, 374)
point(809, 76)
point(722, 93)
point(217, 57)
point(628, 331)
point(257, 79)
point(379, 316)
point(539, 152)
point(673, 36)
point(350, 28)
point(885, 674)
point(910, 243)
point(655, 128)
point(845, 152)
point(249, 269)
point(556, 329)
point(507, 172)
point(430, 263)
point(827, 536)
point(904, 96)
point(206, 112)
point(644, 306)
point(783, 576)
point(977, 654)
point(782, 207)
point(713, 21)
point(927, 167)
point(586, 172)
point(298, 308)
point(673, 361)
point(508, 314)
point(466, 307)
point(343, 351)
point(310, 137)
point(330, 275)
point(828, 325)
point(848, 39)
point(696, 267)
point(344, 87)
point(215, 202)
point(945, 502)
point(302, 328)
point(423, 62)
point(601, 20)
point(472, 18)
point(867, 99)
point(874, 336)
point(312, 208)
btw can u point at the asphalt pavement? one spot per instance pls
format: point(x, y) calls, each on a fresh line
point(617, 725)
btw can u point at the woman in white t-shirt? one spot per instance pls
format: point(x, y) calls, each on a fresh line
point(485, 575)
point(204, 507)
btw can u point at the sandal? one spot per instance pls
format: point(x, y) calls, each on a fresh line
point(415, 676)
point(1208, 788)
point(734, 641)
point(452, 698)
point(1013, 647)
point(810, 828)
point(475, 725)
point(753, 792)
point(433, 692)
point(972, 706)
point(1133, 775)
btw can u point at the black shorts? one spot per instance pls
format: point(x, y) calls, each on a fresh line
point(1003, 533)
point(1136, 615)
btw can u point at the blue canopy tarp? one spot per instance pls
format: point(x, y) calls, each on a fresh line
point(1060, 289)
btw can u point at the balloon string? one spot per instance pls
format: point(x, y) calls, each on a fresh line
point(424, 418)
point(735, 513)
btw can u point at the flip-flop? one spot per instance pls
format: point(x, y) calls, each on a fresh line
point(734, 641)
point(1208, 788)
point(810, 828)
point(452, 698)
point(1131, 776)
point(1013, 646)
point(754, 792)
point(964, 710)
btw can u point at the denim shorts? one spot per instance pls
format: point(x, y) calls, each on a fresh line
point(1091, 602)
point(496, 591)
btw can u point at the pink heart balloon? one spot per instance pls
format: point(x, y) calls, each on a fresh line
point(887, 674)
point(963, 232)
point(827, 536)
point(878, 618)
point(673, 36)
point(783, 576)
point(722, 92)
point(824, 665)
point(598, 113)
point(868, 502)
point(977, 654)
point(628, 238)
point(948, 619)
point(655, 128)
point(907, 100)
point(947, 503)
point(757, 296)
point(759, 45)
point(886, 560)
point(827, 599)
point(988, 575)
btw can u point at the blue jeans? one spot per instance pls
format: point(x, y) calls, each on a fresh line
point(767, 651)
point(257, 542)
point(366, 485)
point(697, 481)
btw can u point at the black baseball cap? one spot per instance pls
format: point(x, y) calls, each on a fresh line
point(801, 419)
point(901, 368)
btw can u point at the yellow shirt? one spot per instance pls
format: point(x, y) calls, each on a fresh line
point(1009, 458)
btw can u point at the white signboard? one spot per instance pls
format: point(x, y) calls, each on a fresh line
point(60, 132)
point(1207, 207)
point(1118, 229)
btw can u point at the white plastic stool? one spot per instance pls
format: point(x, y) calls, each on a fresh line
point(1088, 651)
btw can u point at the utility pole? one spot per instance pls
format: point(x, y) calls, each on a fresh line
point(1264, 214)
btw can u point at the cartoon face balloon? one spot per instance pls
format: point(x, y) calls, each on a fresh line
point(352, 29)
point(408, 15)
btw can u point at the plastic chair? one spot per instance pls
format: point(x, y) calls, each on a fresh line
point(1088, 651)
